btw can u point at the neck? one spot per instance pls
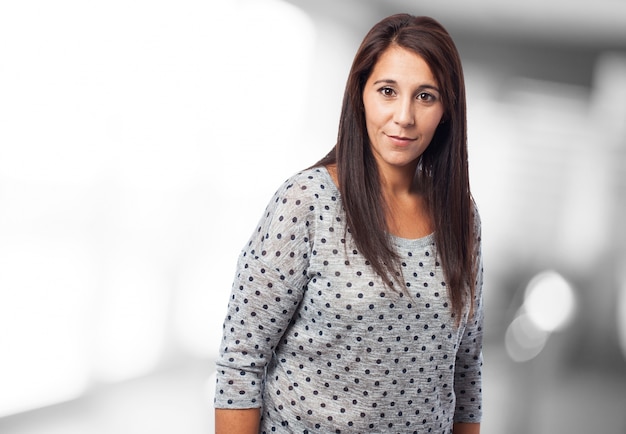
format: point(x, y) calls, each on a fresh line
point(397, 182)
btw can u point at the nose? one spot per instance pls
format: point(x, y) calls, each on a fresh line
point(404, 114)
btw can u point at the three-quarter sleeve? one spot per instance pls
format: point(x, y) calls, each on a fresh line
point(268, 287)
point(469, 360)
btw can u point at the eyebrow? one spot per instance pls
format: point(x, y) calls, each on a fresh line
point(390, 81)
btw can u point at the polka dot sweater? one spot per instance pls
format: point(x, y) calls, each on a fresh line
point(314, 337)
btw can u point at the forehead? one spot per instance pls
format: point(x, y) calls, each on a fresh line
point(402, 65)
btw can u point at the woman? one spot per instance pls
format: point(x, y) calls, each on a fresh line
point(357, 302)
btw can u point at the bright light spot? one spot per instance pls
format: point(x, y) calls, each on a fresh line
point(268, 78)
point(549, 301)
point(111, 143)
point(524, 340)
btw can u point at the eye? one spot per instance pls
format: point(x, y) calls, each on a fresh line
point(426, 97)
point(387, 91)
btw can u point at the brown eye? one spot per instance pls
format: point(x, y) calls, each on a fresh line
point(387, 91)
point(425, 96)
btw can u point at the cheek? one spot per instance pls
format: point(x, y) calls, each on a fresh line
point(371, 130)
point(373, 121)
point(370, 116)
point(432, 122)
point(428, 129)
point(376, 114)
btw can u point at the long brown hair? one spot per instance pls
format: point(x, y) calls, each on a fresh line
point(442, 171)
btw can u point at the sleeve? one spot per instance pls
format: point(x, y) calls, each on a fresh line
point(268, 286)
point(469, 360)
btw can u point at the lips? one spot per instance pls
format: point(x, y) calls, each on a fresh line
point(401, 140)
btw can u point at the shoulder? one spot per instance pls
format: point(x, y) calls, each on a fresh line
point(300, 193)
point(308, 184)
point(311, 177)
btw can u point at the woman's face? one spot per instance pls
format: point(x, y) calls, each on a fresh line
point(403, 108)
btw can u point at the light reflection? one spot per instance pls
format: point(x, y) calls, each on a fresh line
point(524, 340)
point(548, 306)
point(549, 301)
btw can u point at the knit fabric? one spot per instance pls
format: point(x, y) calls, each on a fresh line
point(314, 337)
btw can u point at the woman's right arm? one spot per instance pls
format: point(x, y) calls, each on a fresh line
point(269, 285)
point(243, 421)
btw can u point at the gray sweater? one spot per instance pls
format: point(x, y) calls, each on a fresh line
point(314, 337)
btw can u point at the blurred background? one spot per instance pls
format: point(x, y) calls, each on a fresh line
point(140, 142)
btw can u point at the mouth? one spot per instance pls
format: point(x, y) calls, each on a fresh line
point(402, 140)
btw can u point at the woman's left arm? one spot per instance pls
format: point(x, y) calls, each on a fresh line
point(469, 357)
